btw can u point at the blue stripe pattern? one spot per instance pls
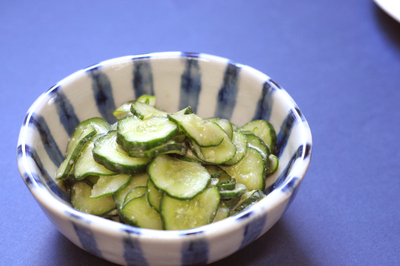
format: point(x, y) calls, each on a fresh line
point(265, 103)
point(31, 152)
point(142, 77)
point(253, 229)
point(48, 141)
point(285, 173)
point(190, 84)
point(195, 252)
point(102, 90)
point(227, 94)
point(291, 188)
point(85, 235)
point(65, 110)
point(284, 133)
point(133, 253)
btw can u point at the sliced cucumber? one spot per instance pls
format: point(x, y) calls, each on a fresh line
point(224, 124)
point(154, 195)
point(238, 191)
point(264, 130)
point(92, 180)
point(222, 212)
point(185, 111)
point(140, 135)
point(190, 156)
point(250, 171)
point(166, 148)
point(80, 200)
point(256, 142)
point(111, 214)
point(186, 214)
point(123, 111)
point(148, 99)
point(136, 181)
point(222, 175)
point(226, 185)
point(86, 165)
point(107, 152)
point(204, 133)
point(98, 124)
point(180, 137)
point(274, 164)
point(247, 200)
point(108, 185)
point(198, 171)
point(145, 111)
point(135, 192)
point(139, 213)
point(66, 166)
point(215, 154)
point(178, 178)
point(232, 203)
point(240, 142)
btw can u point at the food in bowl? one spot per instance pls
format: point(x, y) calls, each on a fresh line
point(171, 171)
point(213, 87)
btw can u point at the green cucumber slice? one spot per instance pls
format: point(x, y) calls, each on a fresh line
point(86, 165)
point(136, 181)
point(179, 179)
point(66, 166)
point(240, 142)
point(264, 130)
point(107, 152)
point(145, 111)
point(238, 191)
point(190, 156)
point(139, 213)
point(250, 171)
point(148, 99)
point(166, 148)
point(80, 200)
point(154, 195)
point(222, 212)
point(108, 185)
point(204, 133)
point(134, 134)
point(215, 154)
point(123, 111)
point(256, 142)
point(274, 164)
point(135, 192)
point(222, 175)
point(186, 214)
point(111, 214)
point(98, 124)
point(92, 180)
point(227, 185)
point(247, 200)
point(224, 124)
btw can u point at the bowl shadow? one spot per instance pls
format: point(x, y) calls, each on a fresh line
point(276, 247)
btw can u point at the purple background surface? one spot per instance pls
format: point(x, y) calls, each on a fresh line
point(339, 60)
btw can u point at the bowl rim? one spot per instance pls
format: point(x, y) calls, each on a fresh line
point(46, 200)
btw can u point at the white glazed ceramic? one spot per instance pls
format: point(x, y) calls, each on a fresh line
point(212, 86)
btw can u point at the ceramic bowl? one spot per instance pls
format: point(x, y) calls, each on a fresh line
point(212, 86)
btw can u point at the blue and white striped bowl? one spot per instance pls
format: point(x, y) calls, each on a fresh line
point(212, 86)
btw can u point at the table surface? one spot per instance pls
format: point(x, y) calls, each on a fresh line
point(340, 61)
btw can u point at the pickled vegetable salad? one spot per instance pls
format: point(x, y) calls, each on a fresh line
point(167, 171)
